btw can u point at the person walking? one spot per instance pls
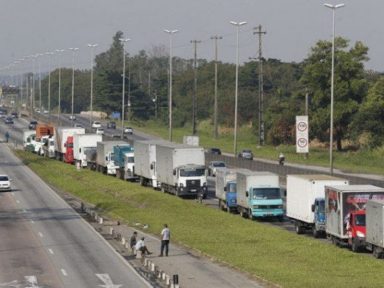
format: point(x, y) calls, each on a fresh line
point(133, 241)
point(165, 237)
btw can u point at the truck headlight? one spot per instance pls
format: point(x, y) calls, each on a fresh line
point(360, 234)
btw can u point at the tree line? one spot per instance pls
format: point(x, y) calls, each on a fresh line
point(358, 94)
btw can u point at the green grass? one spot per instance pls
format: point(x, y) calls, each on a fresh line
point(350, 161)
point(264, 251)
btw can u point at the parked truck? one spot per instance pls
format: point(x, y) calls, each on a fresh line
point(305, 201)
point(226, 189)
point(61, 139)
point(258, 194)
point(345, 212)
point(28, 137)
point(124, 158)
point(145, 162)
point(104, 158)
point(44, 132)
point(82, 143)
point(375, 227)
point(181, 169)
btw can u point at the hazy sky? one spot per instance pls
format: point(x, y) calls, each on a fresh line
point(293, 27)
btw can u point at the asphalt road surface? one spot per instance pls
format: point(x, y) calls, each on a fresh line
point(44, 243)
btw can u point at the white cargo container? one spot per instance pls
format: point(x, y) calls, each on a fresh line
point(104, 158)
point(82, 143)
point(181, 169)
point(375, 227)
point(145, 161)
point(61, 135)
point(305, 201)
point(258, 194)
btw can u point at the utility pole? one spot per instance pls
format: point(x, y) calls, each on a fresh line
point(215, 105)
point(194, 42)
point(261, 90)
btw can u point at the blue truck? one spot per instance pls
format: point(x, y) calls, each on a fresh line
point(226, 189)
point(258, 194)
point(124, 159)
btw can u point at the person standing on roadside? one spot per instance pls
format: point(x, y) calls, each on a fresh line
point(165, 237)
point(133, 241)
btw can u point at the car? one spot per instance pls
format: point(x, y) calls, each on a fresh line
point(214, 150)
point(5, 183)
point(214, 165)
point(78, 125)
point(32, 125)
point(45, 111)
point(8, 120)
point(14, 115)
point(111, 125)
point(100, 131)
point(246, 154)
point(96, 124)
point(128, 130)
point(72, 117)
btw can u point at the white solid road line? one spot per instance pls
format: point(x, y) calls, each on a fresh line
point(41, 234)
point(17, 201)
point(51, 251)
point(64, 272)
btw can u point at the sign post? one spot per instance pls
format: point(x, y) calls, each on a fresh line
point(302, 140)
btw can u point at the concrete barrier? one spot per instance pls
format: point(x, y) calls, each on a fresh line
point(101, 220)
point(111, 231)
point(123, 240)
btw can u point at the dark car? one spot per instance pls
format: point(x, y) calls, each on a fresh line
point(215, 151)
point(111, 125)
point(32, 125)
point(246, 154)
point(8, 120)
point(14, 115)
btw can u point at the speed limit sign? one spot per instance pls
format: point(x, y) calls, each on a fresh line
point(302, 134)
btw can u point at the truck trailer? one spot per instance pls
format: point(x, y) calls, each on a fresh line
point(375, 227)
point(104, 158)
point(305, 201)
point(82, 143)
point(145, 162)
point(61, 137)
point(345, 213)
point(258, 194)
point(225, 189)
point(181, 169)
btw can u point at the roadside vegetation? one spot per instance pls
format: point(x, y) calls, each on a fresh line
point(264, 251)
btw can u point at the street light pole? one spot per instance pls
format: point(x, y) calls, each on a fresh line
point(215, 105)
point(123, 40)
point(333, 7)
point(237, 25)
point(49, 83)
point(59, 104)
point(73, 77)
point(170, 32)
point(92, 46)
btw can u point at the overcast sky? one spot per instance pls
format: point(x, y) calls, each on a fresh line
point(293, 27)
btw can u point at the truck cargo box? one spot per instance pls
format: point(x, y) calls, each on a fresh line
point(375, 222)
point(103, 149)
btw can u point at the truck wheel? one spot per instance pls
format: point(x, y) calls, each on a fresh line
point(315, 232)
point(250, 216)
point(141, 181)
point(298, 228)
point(377, 252)
point(355, 247)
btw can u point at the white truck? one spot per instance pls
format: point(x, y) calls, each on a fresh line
point(375, 227)
point(181, 169)
point(305, 201)
point(145, 161)
point(258, 194)
point(104, 158)
point(82, 143)
point(61, 137)
point(28, 137)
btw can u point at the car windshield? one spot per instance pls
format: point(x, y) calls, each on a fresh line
point(218, 164)
point(231, 187)
point(360, 220)
point(192, 172)
point(3, 178)
point(266, 193)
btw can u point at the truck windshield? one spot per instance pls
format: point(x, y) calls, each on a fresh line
point(231, 187)
point(131, 159)
point(192, 172)
point(321, 207)
point(266, 193)
point(360, 220)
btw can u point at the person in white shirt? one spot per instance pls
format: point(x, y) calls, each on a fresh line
point(140, 246)
point(165, 237)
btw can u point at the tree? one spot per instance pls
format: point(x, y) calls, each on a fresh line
point(350, 86)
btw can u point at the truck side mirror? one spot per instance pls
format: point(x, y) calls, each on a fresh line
point(225, 189)
point(151, 167)
point(313, 207)
point(174, 172)
point(246, 193)
point(106, 158)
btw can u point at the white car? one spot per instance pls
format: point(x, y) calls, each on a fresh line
point(96, 124)
point(100, 131)
point(5, 183)
point(214, 165)
point(128, 130)
point(72, 117)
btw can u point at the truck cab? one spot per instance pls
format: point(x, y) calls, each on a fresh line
point(68, 155)
point(191, 179)
point(318, 209)
point(356, 229)
point(230, 195)
point(265, 201)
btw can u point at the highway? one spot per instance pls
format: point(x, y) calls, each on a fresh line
point(45, 243)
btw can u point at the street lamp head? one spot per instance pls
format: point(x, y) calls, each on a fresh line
point(238, 23)
point(334, 6)
point(124, 39)
point(73, 49)
point(171, 31)
point(93, 45)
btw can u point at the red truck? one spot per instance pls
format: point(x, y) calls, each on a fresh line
point(345, 213)
point(68, 155)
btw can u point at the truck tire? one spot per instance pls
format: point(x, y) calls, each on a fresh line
point(141, 181)
point(377, 252)
point(298, 228)
point(355, 247)
point(315, 232)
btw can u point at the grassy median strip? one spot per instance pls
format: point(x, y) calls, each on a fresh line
point(264, 251)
